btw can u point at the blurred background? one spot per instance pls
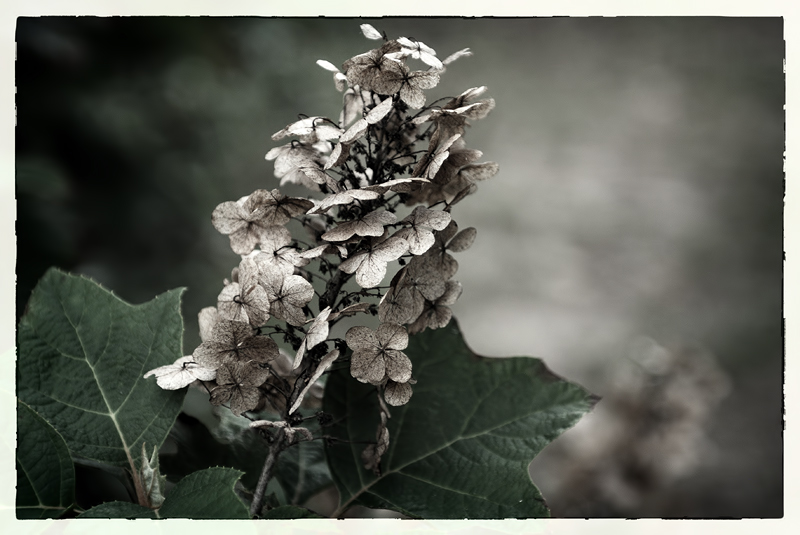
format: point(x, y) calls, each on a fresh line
point(632, 239)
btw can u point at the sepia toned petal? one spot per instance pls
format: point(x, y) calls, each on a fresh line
point(401, 185)
point(356, 131)
point(244, 240)
point(398, 365)
point(379, 112)
point(317, 333)
point(354, 262)
point(463, 240)
point(338, 155)
point(362, 338)
point(244, 399)
point(413, 96)
point(367, 366)
point(207, 318)
point(323, 365)
point(327, 65)
point(397, 308)
point(260, 349)
point(451, 293)
point(370, 32)
point(229, 217)
point(479, 171)
point(371, 271)
point(419, 239)
point(464, 52)
point(392, 336)
point(397, 394)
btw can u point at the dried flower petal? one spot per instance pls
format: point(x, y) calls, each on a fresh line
point(317, 333)
point(397, 394)
point(464, 52)
point(421, 51)
point(344, 197)
point(463, 240)
point(370, 32)
point(370, 265)
point(181, 373)
point(206, 319)
point(378, 354)
point(324, 364)
point(245, 301)
point(234, 340)
point(370, 224)
point(238, 383)
point(287, 295)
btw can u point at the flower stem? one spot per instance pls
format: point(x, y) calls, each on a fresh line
point(266, 473)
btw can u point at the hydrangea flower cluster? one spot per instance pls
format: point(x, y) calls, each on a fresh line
point(387, 152)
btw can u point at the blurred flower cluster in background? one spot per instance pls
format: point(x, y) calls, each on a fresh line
point(632, 239)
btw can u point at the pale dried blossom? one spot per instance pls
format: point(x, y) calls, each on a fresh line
point(369, 71)
point(245, 221)
point(291, 156)
point(369, 265)
point(344, 197)
point(437, 153)
point(397, 394)
point(234, 340)
point(206, 319)
point(370, 224)
point(339, 79)
point(370, 32)
point(359, 128)
point(464, 52)
point(418, 50)
point(437, 314)
point(237, 383)
point(276, 253)
point(326, 249)
point(324, 363)
point(316, 334)
point(379, 156)
point(419, 233)
point(181, 373)
point(246, 300)
point(312, 128)
point(437, 259)
point(287, 295)
point(378, 354)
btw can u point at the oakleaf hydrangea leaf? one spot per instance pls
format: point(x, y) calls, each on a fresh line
point(45, 474)
point(460, 448)
point(203, 494)
point(83, 354)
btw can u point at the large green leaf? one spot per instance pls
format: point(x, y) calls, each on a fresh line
point(461, 447)
point(82, 356)
point(302, 469)
point(204, 494)
point(45, 474)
